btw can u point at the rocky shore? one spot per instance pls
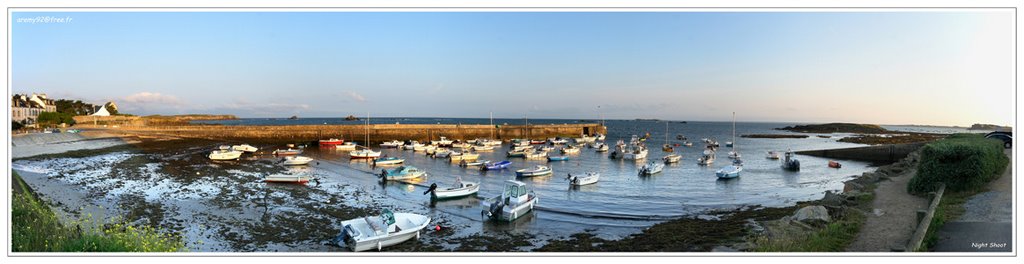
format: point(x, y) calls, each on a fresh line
point(837, 128)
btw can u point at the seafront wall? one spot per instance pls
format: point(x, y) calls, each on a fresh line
point(880, 153)
point(377, 132)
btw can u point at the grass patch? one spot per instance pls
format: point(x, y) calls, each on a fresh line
point(36, 228)
point(834, 237)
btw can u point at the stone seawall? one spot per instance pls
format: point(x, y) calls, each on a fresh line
point(377, 132)
point(880, 153)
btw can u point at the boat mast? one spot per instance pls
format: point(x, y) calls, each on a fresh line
point(527, 126)
point(734, 132)
point(367, 129)
point(492, 125)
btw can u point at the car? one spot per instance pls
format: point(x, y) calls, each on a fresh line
point(1006, 137)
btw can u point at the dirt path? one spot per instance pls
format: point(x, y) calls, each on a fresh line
point(893, 218)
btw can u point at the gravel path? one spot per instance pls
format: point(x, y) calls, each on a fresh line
point(987, 222)
point(893, 218)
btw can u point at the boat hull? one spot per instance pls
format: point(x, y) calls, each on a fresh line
point(409, 229)
point(452, 193)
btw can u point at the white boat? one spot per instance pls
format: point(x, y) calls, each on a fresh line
point(462, 145)
point(282, 178)
point(222, 154)
point(392, 144)
point(672, 158)
point(557, 141)
point(651, 168)
point(520, 142)
point(430, 149)
point(620, 150)
point(599, 137)
point(376, 232)
point(772, 155)
point(441, 153)
point(483, 148)
point(401, 173)
point(466, 163)
point(601, 148)
point(346, 146)
point(459, 189)
point(590, 177)
point(536, 155)
point(385, 160)
point(244, 148)
point(412, 145)
point(514, 202)
point(464, 157)
point(545, 148)
point(636, 153)
point(364, 154)
point(707, 158)
point(734, 155)
point(492, 143)
point(296, 160)
point(283, 152)
point(223, 147)
point(570, 150)
point(539, 170)
point(731, 171)
point(444, 141)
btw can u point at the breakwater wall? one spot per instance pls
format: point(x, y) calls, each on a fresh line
point(376, 132)
point(880, 153)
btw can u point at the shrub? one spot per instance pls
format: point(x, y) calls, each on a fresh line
point(56, 118)
point(16, 125)
point(962, 162)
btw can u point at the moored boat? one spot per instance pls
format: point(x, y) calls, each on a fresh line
point(364, 154)
point(465, 163)
point(789, 163)
point(536, 155)
point(411, 145)
point(392, 144)
point(514, 202)
point(707, 158)
point(483, 148)
point(731, 171)
point(284, 152)
point(221, 154)
point(296, 160)
point(590, 177)
point(538, 170)
point(464, 156)
point(346, 146)
point(673, 158)
point(457, 190)
point(331, 142)
point(834, 164)
point(244, 148)
point(651, 168)
point(496, 166)
point(558, 158)
point(376, 232)
point(223, 147)
point(388, 160)
point(570, 149)
point(773, 155)
point(401, 173)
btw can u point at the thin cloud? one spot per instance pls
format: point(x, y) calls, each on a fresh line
point(356, 96)
point(152, 98)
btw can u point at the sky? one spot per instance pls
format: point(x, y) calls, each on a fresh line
point(947, 67)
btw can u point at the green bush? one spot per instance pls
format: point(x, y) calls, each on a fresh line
point(962, 162)
point(56, 118)
point(16, 125)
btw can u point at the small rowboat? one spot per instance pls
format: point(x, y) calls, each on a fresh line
point(221, 154)
point(558, 158)
point(465, 163)
point(570, 150)
point(539, 170)
point(286, 152)
point(366, 233)
point(496, 166)
point(834, 164)
point(279, 178)
point(483, 148)
point(460, 189)
point(331, 142)
point(667, 148)
point(388, 161)
point(364, 154)
point(538, 142)
point(590, 178)
point(296, 160)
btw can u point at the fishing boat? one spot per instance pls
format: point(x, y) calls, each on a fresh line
point(620, 150)
point(364, 154)
point(673, 158)
point(496, 166)
point(392, 144)
point(834, 164)
point(591, 177)
point(651, 168)
point(441, 153)
point(222, 154)
point(401, 173)
point(296, 160)
point(285, 152)
point(388, 160)
point(602, 148)
point(514, 202)
point(707, 158)
point(282, 178)
point(558, 158)
point(635, 151)
point(517, 153)
point(463, 156)
point(728, 144)
point(789, 163)
point(570, 149)
point(731, 171)
point(462, 145)
point(557, 141)
point(244, 148)
point(366, 233)
point(444, 141)
point(465, 163)
point(539, 170)
point(412, 145)
point(536, 155)
point(331, 142)
point(459, 189)
point(347, 146)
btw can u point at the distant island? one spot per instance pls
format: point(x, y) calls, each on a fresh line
point(773, 136)
point(651, 119)
point(989, 127)
point(837, 128)
point(351, 118)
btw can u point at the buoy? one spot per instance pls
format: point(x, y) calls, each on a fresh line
point(437, 227)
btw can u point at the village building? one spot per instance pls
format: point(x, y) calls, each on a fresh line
point(26, 109)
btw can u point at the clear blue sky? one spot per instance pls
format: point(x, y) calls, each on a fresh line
point(942, 68)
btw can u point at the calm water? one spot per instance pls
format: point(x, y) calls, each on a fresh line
point(228, 198)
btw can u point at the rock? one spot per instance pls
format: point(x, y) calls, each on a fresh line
point(833, 199)
point(850, 187)
point(811, 214)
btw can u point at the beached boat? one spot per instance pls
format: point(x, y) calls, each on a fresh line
point(401, 173)
point(296, 160)
point(284, 152)
point(570, 149)
point(364, 154)
point(496, 166)
point(388, 160)
point(459, 189)
point(347, 146)
point(772, 155)
point(673, 158)
point(224, 147)
point(514, 202)
point(392, 144)
point(731, 171)
point(331, 142)
point(590, 177)
point(834, 164)
point(244, 148)
point(790, 163)
point(282, 178)
point(222, 154)
point(651, 168)
point(558, 158)
point(376, 232)
point(538, 170)
point(463, 156)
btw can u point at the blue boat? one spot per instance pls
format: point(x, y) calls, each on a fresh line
point(497, 166)
point(401, 173)
point(558, 158)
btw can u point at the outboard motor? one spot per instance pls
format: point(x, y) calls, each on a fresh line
point(433, 187)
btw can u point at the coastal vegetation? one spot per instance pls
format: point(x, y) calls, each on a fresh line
point(989, 127)
point(773, 136)
point(36, 228)
point(892, 139)
point(55, 118)
point(837, 128)
point(963, 162)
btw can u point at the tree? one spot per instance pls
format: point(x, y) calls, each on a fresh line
point(16, 125)
point(53, 118)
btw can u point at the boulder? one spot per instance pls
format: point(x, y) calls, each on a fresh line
point(812, 214)
point(833, 199)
